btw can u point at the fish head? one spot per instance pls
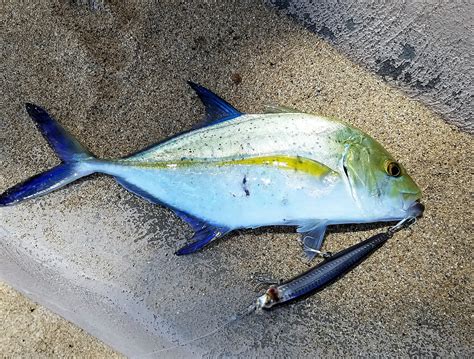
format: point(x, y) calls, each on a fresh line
point(379, 184)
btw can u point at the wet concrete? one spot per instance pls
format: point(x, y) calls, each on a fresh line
point(103, 258)
point(424, 47)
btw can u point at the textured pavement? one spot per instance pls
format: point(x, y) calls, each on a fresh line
point(422, 46)
point(103, 258)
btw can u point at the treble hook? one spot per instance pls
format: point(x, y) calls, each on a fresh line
point(404, 223)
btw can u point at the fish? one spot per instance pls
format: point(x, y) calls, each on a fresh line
point(238, 171)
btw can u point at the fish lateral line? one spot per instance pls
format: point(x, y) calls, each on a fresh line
point(295, 163)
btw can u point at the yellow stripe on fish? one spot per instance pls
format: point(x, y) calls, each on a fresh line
point(300, 164)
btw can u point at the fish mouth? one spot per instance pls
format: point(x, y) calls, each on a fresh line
point(416, 209)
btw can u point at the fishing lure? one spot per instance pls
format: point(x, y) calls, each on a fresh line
point(315, 279)
point(330, 270)
point(246, 171)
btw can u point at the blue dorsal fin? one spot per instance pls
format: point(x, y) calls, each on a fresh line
point(217, 109)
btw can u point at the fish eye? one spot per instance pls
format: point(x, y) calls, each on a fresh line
point(393, 169)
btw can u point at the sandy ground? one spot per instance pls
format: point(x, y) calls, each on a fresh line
point(116, 79)
point(31, 330)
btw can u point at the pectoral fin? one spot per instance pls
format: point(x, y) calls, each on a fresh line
point(312, 237)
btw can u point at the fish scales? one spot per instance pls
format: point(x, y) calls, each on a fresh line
point(252, 135)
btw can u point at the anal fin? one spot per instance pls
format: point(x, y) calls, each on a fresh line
point(138, 191)
point(204, 233)
point(201, 238)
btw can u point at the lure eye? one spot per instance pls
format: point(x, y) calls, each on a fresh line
point(393, 169)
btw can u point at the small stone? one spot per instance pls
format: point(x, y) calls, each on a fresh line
point(236, 78)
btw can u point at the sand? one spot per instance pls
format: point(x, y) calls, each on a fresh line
point(115, 77)
point(31, 330)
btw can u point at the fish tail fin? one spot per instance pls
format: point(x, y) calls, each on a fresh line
point(66, 147)
point(77, 162)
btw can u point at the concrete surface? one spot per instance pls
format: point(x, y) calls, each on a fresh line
point(103, 258)
point(423, 46)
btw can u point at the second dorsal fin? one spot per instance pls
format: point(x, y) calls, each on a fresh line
point(217, 109)
point(279, 109)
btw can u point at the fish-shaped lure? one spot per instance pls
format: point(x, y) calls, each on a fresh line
point(246, 171)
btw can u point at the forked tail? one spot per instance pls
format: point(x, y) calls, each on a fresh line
point(76, 161)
